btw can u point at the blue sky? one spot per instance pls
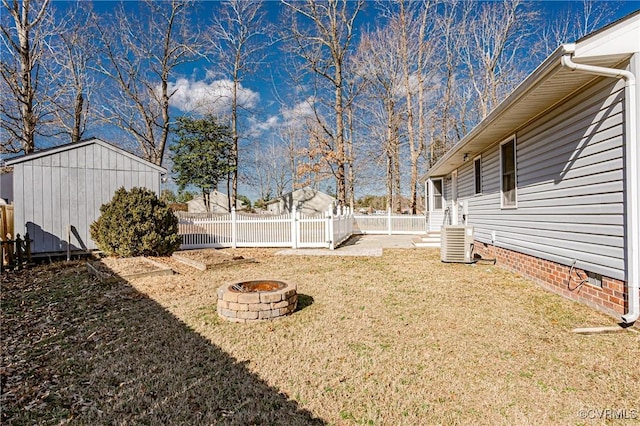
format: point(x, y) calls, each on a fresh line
point(198, 81)
point(260, 88)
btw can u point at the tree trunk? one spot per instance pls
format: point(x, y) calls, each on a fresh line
point(389, 151)
point(350, 160)
point(340, 151)
point(234, 134)
point(76, 131)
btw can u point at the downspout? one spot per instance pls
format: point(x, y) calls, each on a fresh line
point(633, 178)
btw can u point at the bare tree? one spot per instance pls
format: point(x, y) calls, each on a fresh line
point(140, 53)
point(450, 22)
point(290, 135)
point(378, 63)
point(354, 88)
point(71, 52)
point(580, 19)
point(271, 173)
point(491, 51)
point(22, 108)
point(411, 23)
point(238, 41)
point(321, 34)
point(315, 162)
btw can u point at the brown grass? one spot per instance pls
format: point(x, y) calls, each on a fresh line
point(391, 340)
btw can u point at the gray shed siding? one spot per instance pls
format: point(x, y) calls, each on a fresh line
point(68, 188)
point(570, 188)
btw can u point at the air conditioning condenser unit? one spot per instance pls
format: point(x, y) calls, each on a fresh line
point(457, 244)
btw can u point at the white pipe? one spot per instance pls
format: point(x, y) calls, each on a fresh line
point(633, 178)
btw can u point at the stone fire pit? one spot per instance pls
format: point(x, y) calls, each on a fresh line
point(248, 301)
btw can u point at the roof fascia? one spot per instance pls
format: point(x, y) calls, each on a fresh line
point(79, 144)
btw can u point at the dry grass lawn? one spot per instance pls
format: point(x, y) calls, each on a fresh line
point(400, 339)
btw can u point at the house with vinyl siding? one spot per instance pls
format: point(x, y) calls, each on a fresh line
point(218, 203)
point(57, 192)
point(306, 200)
point(549, 179)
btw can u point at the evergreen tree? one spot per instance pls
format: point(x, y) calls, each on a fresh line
point(202, 154)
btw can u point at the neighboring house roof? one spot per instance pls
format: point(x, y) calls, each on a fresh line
point(70, 146)
point(547, 86)
point(300, 194)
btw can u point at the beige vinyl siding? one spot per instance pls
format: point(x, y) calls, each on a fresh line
point(570, 172)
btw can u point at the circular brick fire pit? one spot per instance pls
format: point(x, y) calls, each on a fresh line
point(247, 301)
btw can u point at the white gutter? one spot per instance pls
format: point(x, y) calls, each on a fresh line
point(633, 178)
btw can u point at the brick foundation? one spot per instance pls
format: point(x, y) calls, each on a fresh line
point(610, 299)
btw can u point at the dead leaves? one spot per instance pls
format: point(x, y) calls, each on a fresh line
point(45, 336)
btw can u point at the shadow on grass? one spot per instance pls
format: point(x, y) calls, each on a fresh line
point(304, 301)
point(100, 352)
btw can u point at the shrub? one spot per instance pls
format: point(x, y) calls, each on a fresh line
point(136, 223)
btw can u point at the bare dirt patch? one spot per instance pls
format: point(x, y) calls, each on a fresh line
point(209, 258)
point(127, 268)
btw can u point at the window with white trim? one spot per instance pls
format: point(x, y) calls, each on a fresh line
point(477, 174)
point(508, 186)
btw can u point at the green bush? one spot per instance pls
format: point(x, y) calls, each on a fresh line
point(136, 223)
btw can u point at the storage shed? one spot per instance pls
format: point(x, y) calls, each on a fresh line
point(58, 192)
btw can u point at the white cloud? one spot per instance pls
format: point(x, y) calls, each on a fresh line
point(293, 118)
point(257, 128)
point(271, 123)
point(214, 97)
point(297, 115)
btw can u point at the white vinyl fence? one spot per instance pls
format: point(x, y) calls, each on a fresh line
point(295, 230)
point(390, 224)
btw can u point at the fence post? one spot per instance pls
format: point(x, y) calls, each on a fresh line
point(294, 237)
point(330, 228)
point(10, 250)
point(27, 246)
point(389, 220)
point(234, 230)
point(350, 221)
point(19, 250)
